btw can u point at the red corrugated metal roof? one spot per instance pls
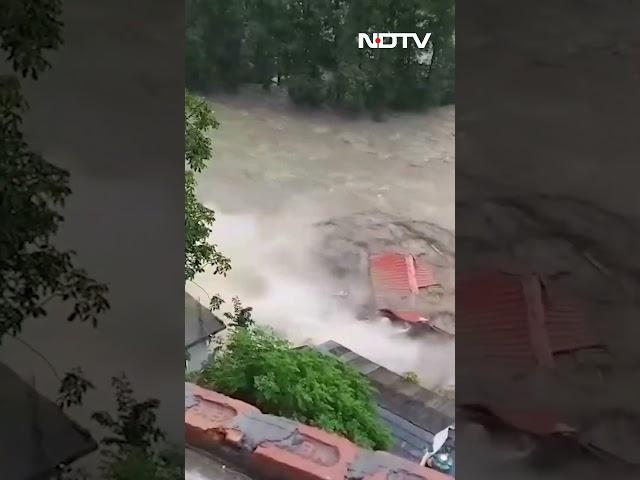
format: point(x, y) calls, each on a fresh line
point(424, 275)
point(512, 317)
point(490, 311)
point(408, 316)
point(396, 279)
point(566, 327)
point(393, 273)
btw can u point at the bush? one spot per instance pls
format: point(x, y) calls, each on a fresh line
point(306, 90)
point(135, 464)
point(303, 384)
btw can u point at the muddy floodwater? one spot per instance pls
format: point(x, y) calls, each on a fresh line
point(301, 197)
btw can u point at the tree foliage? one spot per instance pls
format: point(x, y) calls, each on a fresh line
point(33, 271)
point(135, 424)
point(310, 47)
point(200, 252)
point(73, 388)
point(129, 450)
point(138, 465)
point(241, 316)
point(28, 29)
point(302, 384)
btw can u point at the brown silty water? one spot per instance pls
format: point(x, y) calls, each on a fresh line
point(301, 197)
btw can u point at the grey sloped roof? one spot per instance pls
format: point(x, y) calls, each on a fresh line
point(35, 435)
point(199, 322)
point(412, 413)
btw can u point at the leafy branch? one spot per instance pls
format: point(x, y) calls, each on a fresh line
point(32, 270)
point(130, 449)
point(200, 252)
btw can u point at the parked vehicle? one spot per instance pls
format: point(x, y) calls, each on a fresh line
point(441, 455)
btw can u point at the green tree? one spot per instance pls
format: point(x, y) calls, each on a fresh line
point(33, 271)
point(130, 449)
point(241, 316)
point(200, 252)
point(214, 41)
point(441, 79)
point(302, 384)
point(310, 48)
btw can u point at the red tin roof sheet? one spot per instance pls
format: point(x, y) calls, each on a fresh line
point(396, 279)
point(567, 330)
point(407, 316)
point(424, 275)
point(513, 317)
point(393, 273)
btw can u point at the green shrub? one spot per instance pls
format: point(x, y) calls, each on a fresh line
point(302, 384)
point(306, 90)
point(412, 377)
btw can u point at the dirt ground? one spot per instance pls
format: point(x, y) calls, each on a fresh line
point(302, 196)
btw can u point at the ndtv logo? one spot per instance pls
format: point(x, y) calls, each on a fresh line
point(377, 40)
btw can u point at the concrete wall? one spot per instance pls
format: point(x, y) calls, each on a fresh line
point(198, 356)
point(274, 448)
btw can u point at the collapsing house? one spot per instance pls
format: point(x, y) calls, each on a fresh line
point(400, 289)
